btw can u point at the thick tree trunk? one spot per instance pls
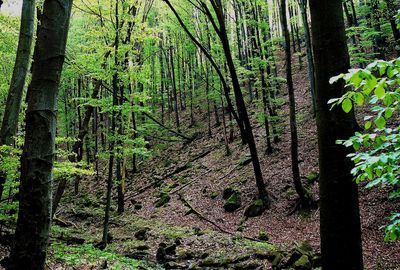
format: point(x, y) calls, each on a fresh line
point(15, 93)
point(339, 209)
point(32, 232)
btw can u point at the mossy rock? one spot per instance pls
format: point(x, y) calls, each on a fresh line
point(305, 248)
point(255, 209)
point(245, 160)
point(214, 195)
point(303, 263)
point(138, 206)
point(313, 177)
point(263, 236)
point(228, 192)
point(233, 203)
point(163, 199)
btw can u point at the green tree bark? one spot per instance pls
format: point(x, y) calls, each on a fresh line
point(32, 232)
point(15, 93)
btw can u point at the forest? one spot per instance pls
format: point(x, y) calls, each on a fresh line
point(200, 134)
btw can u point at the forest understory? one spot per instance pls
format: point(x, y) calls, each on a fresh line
point(190, 228)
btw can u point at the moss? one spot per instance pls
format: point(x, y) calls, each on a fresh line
point(214, 194)
point(313, 177)
point(233, 203)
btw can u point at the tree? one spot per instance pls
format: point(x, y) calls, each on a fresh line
point(219, 25)
point(339, 209)
point(32, 232)
point(305, 199)
point(15, 93)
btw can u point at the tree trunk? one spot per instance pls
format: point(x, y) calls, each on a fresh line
point(294, 150)
point(15, 93)
point(32, 231)
point(241, 107)
point(339, 209)
point(310, 60)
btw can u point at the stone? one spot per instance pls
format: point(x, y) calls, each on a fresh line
point(303, 263)
point(171, 250)
point(229, 191)
point(175, 265)
point(263, 236)
point(313, 177)
point(214, 195)
point(138, 206)
point(141, 234)
point(255, 209)
point(233, 203)
point(163, 199)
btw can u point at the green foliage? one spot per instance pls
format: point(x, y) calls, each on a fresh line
point(377, 157)
point(86, 254)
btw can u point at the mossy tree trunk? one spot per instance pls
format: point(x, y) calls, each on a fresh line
point(32, 231)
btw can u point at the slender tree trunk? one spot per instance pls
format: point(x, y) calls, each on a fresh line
point(15, 93)
point(339, 209)
point(310, 60)
point(294, 150)
point(241, 106)
point(32, 231)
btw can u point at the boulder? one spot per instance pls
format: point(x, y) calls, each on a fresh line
point(255, 209)
point(233, 203)
point(303, 263)
point(163, 199)
point(229, 191)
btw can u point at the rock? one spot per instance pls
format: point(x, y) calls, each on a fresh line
point(140, 255)
point(175, 265)
point(141, 234)
point(214, 195)
point(245, 160)
point(313, 177)
point(277, 258)
point(305, 248)
point(255, 209)
point(142, 247)
point(233, 203)
point(247, 265)
point(317, 260)
point(171, 250)
point(185, 254)
point(303, 263)
point(198, 232)
point(161, 254)
point(263, 236)
point(138, 206)
point(229, 191)
point(163, 199)
point(291, 258)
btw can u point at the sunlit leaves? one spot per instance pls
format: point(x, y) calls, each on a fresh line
point(377, 156)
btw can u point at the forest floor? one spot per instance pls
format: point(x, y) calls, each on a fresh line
point(207, 237)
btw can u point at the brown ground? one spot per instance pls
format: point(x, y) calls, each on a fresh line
point(208, 176)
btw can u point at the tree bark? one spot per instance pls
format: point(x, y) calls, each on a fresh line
point(339, 209)
point(294, 150)
point(310, 60)
point(15, 93)
point(32, 231)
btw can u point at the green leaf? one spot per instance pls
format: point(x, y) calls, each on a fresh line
point(368, 125)
point(347, 105)
point(380, 89)
point(336, 78)
point(359, 99)
point(380, 122)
